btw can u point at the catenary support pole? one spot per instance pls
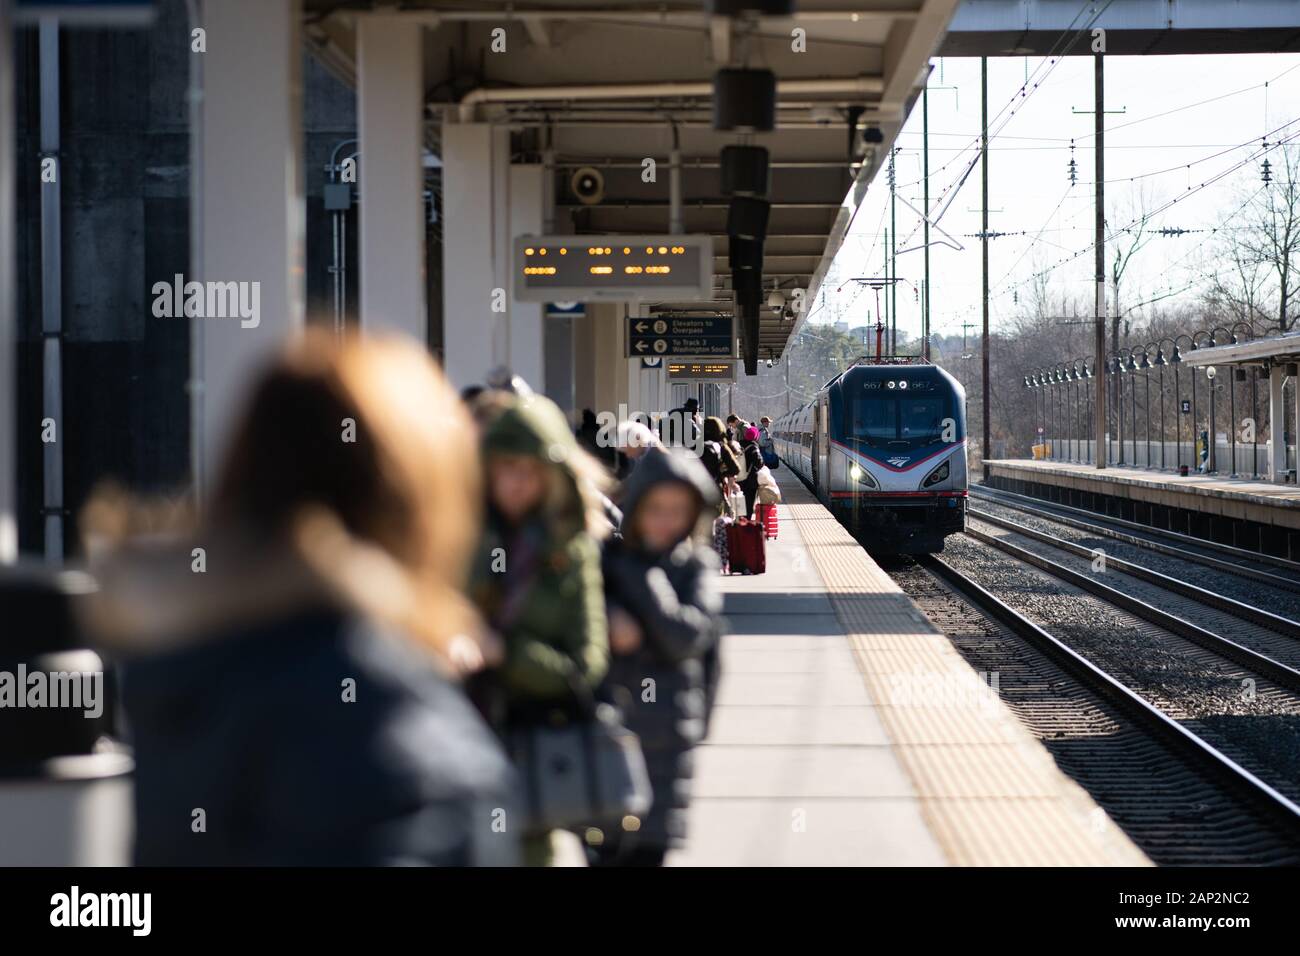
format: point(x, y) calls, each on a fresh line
point(1099, 400)
point(925, 207)
point(987, 448)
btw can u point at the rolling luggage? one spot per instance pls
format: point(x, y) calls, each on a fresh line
point(765, 514)
point(746, 550)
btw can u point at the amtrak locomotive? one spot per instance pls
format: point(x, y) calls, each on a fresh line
point(883, 445)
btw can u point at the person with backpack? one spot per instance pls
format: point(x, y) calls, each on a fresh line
point(750, 467)
point(766, 445)
point(665, 624)
point(718, 459)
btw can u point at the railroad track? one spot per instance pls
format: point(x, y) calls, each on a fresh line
point(1178, 795)
point(1243, 633)
point(1267, 569)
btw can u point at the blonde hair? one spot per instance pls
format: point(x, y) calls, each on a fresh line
point(367, 435)
point(352, 475)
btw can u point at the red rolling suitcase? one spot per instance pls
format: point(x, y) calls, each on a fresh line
point(746, 548)
point(766, 515)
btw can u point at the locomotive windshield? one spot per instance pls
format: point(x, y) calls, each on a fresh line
point(897, 420)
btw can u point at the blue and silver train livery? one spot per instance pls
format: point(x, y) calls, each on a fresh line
point(883, 445)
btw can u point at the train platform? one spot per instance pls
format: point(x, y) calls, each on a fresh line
point(849, 731)
point(1256, 515)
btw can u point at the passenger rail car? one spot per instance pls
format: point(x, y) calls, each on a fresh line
point(883, 446)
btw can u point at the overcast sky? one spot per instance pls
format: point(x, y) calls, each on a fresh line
point(1210, 112)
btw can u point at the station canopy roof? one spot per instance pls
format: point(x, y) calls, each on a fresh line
point(610, 81)
point(1268, 351)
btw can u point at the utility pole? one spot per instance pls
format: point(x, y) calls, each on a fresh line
point(787, 379)
point(925, 206)
point(984, 242)
point(888, 317)
point(893, 256)
point(1099, 399)
point(8, 317)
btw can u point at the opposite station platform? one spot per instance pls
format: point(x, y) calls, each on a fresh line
point(837, 739)
point(1252, 514)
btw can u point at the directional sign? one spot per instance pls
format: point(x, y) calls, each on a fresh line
point(565, 310)
point(87, 12)
point(703, 371)
point(711, 336)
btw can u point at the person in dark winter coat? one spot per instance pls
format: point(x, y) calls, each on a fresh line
point(716, 456)
point(680, 427)
point(665, 626)
point(300, 697)
point(754, 463)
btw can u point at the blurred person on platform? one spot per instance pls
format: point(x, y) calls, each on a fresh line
point(594, 443)
point(664, 628)
point(292, 660)
point(718, 459)
point(634, 440)
point(537, 578)
point(750, 467)
point(681, 426)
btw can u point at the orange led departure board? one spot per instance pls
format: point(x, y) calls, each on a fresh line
point(615, 268)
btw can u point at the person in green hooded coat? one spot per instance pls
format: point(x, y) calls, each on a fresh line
point(537, 579)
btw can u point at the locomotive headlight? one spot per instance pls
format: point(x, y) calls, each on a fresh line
point(862, 477)
point(936, 476)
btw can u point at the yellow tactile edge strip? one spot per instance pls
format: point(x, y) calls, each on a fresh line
point(990, 793)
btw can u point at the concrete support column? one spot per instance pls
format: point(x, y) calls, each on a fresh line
point(1276, 422)
point(390, 127)
point(604, 374)
point(1295, 398)
point(248, 202)
point(584, 359)
point(475, 166)
point(525, 343)
point(8, 320)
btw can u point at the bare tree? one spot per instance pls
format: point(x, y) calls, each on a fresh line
point(1273, 236)
point(1125, 245)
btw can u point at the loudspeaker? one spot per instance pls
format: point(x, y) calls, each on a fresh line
point(744, 254)
point(588, 185)
point(749, 339)
point(744, 100)
point(745, 171)
point(747, 286)
point(747, 217)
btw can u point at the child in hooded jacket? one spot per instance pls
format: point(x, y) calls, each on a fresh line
point(665, 626)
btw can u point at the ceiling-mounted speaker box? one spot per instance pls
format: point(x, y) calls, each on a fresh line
point(744, 254)
point(736, 8)
point(744, 101)
point(747, 217)
point(749, 336)
point(745, 171)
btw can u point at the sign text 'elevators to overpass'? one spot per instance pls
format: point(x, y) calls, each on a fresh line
point(612, 268)
point(710, 336)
